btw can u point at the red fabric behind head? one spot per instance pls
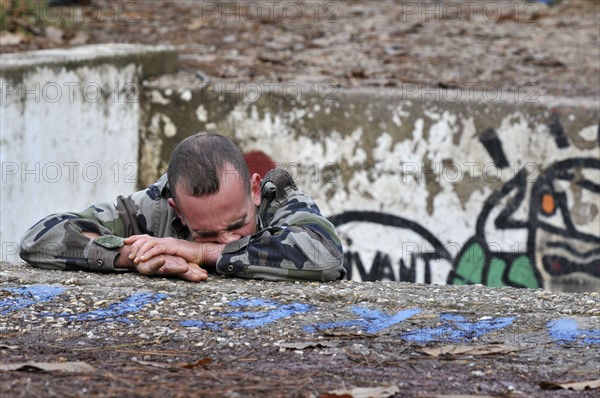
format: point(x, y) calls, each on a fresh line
point(259, 162)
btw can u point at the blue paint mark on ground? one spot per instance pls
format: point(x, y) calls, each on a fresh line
point(379, 320)
point(372, 321)
point(566, 331)
point(28, 295)
point(256, 319)
point(130, 304)
point(457, 328)
point(253, 319)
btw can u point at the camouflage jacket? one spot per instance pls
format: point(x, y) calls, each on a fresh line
point(293, 242)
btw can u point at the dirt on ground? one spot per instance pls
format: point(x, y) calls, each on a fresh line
point(178, 369)
point(515, 45)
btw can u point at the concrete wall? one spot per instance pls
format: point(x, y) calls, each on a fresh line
point(424, 184)
point(69, 122)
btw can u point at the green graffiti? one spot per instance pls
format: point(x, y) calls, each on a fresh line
point(495, 272)
point(470, 266)
point(477, 265)
point(521, 272)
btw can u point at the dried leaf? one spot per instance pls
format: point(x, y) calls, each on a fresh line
point(196, 24)
point(577, 386)
point(55, 34)
point(363, 392)
point(348, 334)
point(200, 362)
point(160, 365)
point(272, 57)
point(469, 350)
point(70, 367)
point(8, 347)
point(300, 345)
point(79, 39)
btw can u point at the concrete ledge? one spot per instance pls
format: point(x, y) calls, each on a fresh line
point(342, 333)
point(151, 60)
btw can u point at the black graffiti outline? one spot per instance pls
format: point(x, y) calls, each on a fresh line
point(543, 184)
point(382, 266)
point(560, 170)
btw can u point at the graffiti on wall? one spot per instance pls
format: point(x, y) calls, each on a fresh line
point(557, 207)
point(422, 252)
point(558, 251)
point(539, 228)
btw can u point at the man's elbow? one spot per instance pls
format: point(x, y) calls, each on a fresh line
point(36, 258)
point(333, 269)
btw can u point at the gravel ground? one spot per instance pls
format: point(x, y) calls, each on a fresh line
point(150, 352)
point(483, 44)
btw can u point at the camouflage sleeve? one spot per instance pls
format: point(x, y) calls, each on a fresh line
point(296, 243)
point(56, 242)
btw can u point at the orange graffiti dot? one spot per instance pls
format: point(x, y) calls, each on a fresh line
point(548, 205)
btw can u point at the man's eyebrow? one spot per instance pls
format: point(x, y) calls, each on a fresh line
point(234, 225)
point(205, 234)
point(238, 223)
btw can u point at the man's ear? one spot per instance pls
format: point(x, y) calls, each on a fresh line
point(172, 203)
point(255, 181)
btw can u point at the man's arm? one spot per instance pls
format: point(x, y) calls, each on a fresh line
point(162, 265)
point(76, 241)
point(297, 242)
point(93, 239)
point(89, 240)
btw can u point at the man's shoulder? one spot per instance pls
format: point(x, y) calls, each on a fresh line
point(280, 193)
point(158, 190)
point(277, 182)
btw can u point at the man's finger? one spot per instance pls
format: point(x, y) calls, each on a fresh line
point(173, 269)
point(195, 273)
point(133, 238)
point(153, 251)
point(146, 245)
point(133, 251)
point(151, 266)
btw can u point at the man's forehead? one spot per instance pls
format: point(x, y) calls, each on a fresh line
point(230, 174)
point(215, 211)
